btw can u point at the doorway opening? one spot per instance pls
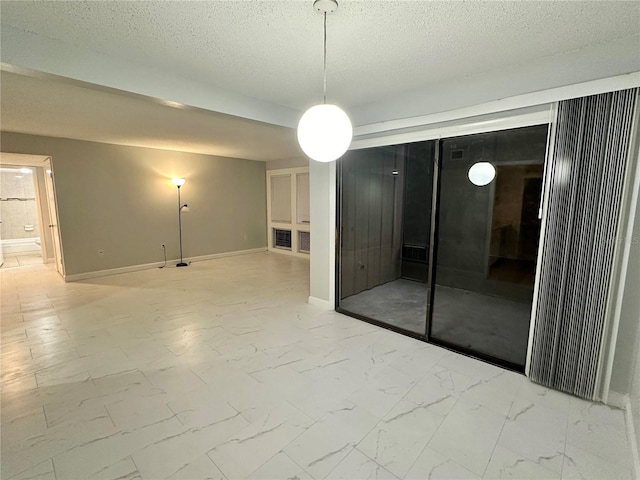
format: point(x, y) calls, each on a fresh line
point(430, 251)
point(28, 214)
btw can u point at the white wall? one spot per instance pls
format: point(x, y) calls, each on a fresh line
point(625, 377)
point(322, 185)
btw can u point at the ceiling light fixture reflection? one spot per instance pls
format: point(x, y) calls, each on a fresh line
point(325, 131)
point(482, 173)
point(171, 103)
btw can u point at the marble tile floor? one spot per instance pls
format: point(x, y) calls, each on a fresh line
point(222, 370)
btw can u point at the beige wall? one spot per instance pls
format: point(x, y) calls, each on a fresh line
point(121, 200)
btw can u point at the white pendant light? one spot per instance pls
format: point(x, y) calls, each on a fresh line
point(325, 131)
point(482, 173)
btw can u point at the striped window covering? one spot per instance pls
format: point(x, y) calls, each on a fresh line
point(587, 170)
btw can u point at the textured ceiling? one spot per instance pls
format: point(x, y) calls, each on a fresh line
point(262, 60)
point(272, 50)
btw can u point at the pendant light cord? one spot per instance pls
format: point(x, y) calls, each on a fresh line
point(325, 58)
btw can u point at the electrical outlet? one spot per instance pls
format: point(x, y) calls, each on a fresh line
point(100, 253)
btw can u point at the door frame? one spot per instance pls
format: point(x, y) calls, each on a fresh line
point(52, 201)
point(45, 163)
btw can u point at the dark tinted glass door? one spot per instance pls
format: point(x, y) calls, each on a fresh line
point(487, 242)
point(385, 218)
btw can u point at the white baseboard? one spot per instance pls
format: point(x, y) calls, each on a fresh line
point(618, 400)
point(146, 266)
point(318, 302)
point(634, 442)
point(283, 251)
point(623, 402)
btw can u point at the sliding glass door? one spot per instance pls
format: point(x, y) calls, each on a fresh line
point(385, 217)
point(487, 242)
point(439, 239)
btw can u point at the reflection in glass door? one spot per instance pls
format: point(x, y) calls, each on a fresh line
point(385, 217)
point(487, 242)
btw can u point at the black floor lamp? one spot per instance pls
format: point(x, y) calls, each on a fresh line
point(178, 182)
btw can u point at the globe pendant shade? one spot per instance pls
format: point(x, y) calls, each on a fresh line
point(482, 173)
point(324, 133)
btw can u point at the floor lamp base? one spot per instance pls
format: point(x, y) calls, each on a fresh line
point(182, 264)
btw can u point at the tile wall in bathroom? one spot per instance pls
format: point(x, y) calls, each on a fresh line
point(18, 210)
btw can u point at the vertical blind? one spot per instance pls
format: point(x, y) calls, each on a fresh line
point(587, 170)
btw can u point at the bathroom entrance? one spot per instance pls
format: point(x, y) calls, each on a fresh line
point(439, 239)
point(28, 235)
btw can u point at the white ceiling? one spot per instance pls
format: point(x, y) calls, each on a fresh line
point(58, 108)
point(263, 59)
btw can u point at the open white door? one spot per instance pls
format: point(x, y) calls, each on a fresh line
point(1, 252)
point(53, 215)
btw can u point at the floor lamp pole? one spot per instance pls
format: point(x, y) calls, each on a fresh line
point(181, 264)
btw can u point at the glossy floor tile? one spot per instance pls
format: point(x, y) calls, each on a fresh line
point(222, 370)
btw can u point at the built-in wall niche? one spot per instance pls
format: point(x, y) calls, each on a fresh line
point(280, 198)
point(288, 217)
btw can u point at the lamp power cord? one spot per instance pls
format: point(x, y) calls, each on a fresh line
point(164, 250)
